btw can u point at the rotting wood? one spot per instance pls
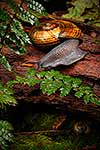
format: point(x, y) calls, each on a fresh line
point(88, 69)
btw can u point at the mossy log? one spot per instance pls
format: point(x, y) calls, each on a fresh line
point(88, 69)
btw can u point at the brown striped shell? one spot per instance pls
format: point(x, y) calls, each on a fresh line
point(65, 53)
point(50, 32)
point(81, 127)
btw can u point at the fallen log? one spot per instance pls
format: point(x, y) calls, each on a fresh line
point(88, 69)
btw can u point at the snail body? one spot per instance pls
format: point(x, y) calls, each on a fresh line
point(50, 32)
point(64, 54)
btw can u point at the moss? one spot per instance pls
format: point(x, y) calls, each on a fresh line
point(86, 11)
point(40, 142)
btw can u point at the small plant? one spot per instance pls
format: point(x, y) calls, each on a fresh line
point(6, 96)
point(6, 135)
point(53, 81)
point(84, 10)
point(42, 142)
point(6, 99)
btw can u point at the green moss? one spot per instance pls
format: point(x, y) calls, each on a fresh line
point(84, 10)
point(42, 142)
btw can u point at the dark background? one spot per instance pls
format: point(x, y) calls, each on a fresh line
point(53, 5)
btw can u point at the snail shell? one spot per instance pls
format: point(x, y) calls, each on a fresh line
point(64, 54)
point(81, 127)
point(50, 32)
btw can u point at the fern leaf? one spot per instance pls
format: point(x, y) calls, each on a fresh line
point(25, 16)
point(6, 96)
point(5, 63)
point(35, 6)
point(4, 17)
point(17, 28)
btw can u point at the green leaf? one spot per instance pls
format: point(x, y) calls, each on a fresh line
point(31, 82)
point(65, 89)
point(29, 79)
point(35, 10)
point(79, 94)
point(17, 28)
point(41, 74)
point(76, 82)
point(6, 135)
point(25, 16)
point(36, 6)
point(5, 63)
point(97, 101)
point(94, 99)
point(86, 98)
point(30, 73)
point(49, 86)
point(43, 86)
point(6, 99)
point(11, 83)
point(84, 10)
point(85, 89)
point(6, 96)
point(3, 28)
point(4, 16)
point(21, 80)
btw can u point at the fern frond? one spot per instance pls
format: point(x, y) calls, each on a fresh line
point(17, 28)
point(35, 6)
point(26, 16)
point(6, 96)
point(5, 63)
point(53, 81)
point(6, 135)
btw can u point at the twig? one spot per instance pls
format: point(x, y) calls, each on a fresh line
point(37, 132)
point(89, 147)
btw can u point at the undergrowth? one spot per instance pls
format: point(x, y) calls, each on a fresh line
point(52, 81)
point(87, 11)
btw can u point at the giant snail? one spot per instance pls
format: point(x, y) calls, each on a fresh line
point(50, 33)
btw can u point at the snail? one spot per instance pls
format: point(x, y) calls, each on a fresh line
point(64, 54)
point(81, 127)
point(51, 32)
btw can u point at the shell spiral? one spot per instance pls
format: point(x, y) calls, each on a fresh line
point(81, 127)
point(50, 32)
